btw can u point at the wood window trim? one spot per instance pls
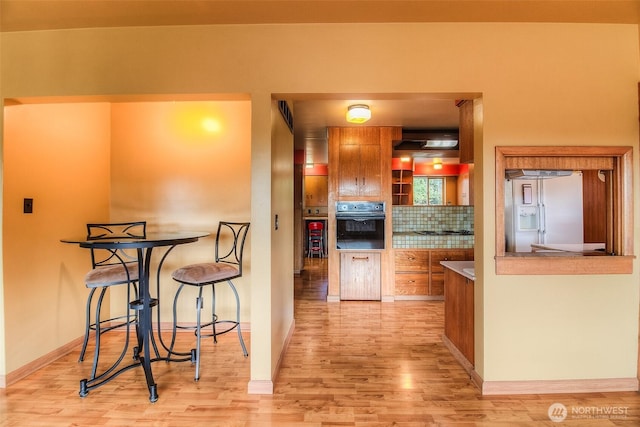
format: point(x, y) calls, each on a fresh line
point(619, 159)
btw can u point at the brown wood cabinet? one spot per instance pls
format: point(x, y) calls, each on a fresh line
point(316, 191)
point(360, 165)
point(436, 285)
point(465, 135)
point(594, 207)
point(418, 272)
point(359, 170)
point(412, 271)
point(360, 276)
point(458, 312)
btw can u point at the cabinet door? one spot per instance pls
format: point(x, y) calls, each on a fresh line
point(315, 191)
point(452, 306)
point(467, 324)
point(436, 285)
point(458, 313)
point(349, 178)
point(370, 184)
point(360, 276)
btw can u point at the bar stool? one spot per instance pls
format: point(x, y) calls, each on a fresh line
point(315, 232)
point(111, 267)
point(226, 266)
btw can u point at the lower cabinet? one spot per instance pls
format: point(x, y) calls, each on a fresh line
point(418, 272)
point(412, 272)
point(458, 312)
point(360, 276)
point(437, 270)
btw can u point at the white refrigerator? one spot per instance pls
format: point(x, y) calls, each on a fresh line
point(543, 210)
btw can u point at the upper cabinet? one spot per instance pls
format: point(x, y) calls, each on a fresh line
point(361, 157)
point(315, 191)
point(465, 136)
point(359, 173)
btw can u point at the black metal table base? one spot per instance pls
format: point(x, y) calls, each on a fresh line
point(87, 385)
point(143, 305)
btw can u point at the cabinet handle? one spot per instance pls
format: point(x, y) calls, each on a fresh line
point(364, 183)
point(411, 258)
point(356, 181)
point(411, 281)
point(360, 258)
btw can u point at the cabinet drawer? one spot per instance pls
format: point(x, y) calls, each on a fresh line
point(412, 260)
point(452, 255)
point(412, 284)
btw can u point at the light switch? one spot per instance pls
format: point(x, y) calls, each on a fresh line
point(27, 206)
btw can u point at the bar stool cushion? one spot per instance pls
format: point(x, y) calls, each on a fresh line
point(111, 275)
point(205, 273)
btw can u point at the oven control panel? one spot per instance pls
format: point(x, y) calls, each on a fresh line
point(360, 207)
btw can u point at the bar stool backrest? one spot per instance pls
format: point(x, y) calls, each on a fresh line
point(120, 231)
point(230, 243)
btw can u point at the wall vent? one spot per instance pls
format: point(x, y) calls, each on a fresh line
point(286, 114)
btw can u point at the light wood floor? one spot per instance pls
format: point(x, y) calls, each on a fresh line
point(348, 364)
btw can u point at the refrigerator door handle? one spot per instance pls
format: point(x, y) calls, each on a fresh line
point(542, 221)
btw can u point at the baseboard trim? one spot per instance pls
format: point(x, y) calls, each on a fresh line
point(264, 386)
point(285, 346)
point(40, 362)
point(491, 388)
point(260, 387)
point(466, 365)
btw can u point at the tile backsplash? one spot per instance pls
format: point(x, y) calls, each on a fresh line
point(435, 218)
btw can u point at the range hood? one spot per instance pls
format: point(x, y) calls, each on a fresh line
point(536, 173)
point(427, 139)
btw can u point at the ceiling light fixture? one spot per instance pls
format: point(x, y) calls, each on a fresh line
point(437, 164)
point(358, 113)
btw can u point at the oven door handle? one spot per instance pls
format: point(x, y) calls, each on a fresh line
point(359, 218)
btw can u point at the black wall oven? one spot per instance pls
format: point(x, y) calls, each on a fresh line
point(360, 225)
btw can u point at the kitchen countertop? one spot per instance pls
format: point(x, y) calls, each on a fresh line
point(464, 268)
